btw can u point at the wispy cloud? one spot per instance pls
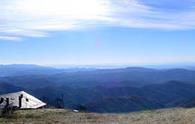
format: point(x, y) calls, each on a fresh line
point(10, 38)
point(138, 15)
point(35, 18)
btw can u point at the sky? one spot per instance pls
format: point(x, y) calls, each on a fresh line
point(92, 32)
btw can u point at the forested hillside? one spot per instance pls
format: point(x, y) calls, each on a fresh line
point(103, 90)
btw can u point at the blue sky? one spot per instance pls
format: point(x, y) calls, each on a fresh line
point(91, 32)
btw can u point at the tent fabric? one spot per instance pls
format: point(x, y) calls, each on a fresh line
point(27, 101)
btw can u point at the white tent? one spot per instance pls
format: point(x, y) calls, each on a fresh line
point(20, 100)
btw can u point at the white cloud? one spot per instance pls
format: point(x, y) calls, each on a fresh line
point(10, 38)
point(137, 15)
point(35, 18)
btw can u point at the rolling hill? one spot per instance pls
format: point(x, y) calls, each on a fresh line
point(103, 90)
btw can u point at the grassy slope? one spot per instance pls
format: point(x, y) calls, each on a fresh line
point(52, 116)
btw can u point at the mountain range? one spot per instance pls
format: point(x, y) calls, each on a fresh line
point(103, 90)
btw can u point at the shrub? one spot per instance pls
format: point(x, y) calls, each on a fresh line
point(8, 112)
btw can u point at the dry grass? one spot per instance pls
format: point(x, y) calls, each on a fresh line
point(54, 116)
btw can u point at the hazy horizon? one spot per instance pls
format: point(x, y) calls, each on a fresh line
point(113, 66)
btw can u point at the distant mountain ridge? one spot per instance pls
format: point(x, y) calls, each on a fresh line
point(14, 70)
point(103, 90)
point(28, 69)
